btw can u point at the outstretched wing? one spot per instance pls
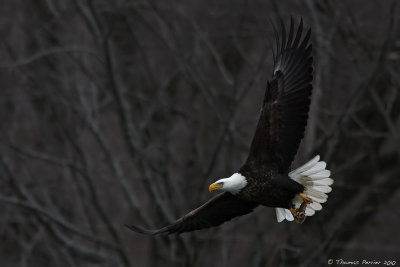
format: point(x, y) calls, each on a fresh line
point(216, 211)
point(286, 103)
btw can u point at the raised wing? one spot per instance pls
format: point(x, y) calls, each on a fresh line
point(216, 211)
point(286, 103)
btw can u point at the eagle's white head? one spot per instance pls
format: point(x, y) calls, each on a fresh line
point(232, 184)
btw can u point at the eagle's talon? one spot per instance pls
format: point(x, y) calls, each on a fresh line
point(305, 198)
point(301, 217)
point(294, 213)
point(300, 213)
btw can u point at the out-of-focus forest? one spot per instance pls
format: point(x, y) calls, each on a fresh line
point(123, 112)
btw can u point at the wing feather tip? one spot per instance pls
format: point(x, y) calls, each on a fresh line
point(142, 230)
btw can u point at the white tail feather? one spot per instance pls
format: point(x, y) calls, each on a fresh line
point(316, 181)
point(289, 215)
point(316, 206)
point(282, 214)
point(310, 211)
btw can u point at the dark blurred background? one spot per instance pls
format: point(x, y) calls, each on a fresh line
point(123, 112)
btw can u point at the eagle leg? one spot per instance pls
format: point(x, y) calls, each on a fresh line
point(300, 213)
point(305, 198)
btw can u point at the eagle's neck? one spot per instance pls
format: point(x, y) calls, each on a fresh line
point(235, 183)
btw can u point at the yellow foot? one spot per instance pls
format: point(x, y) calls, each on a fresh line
point(305, 198)
point(294, 213)
point(300, 213)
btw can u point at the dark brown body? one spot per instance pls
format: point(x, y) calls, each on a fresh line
point(268, 187)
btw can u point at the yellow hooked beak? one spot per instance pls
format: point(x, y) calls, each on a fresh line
point(214, 186)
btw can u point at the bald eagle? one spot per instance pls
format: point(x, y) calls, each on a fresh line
point(265, 178)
